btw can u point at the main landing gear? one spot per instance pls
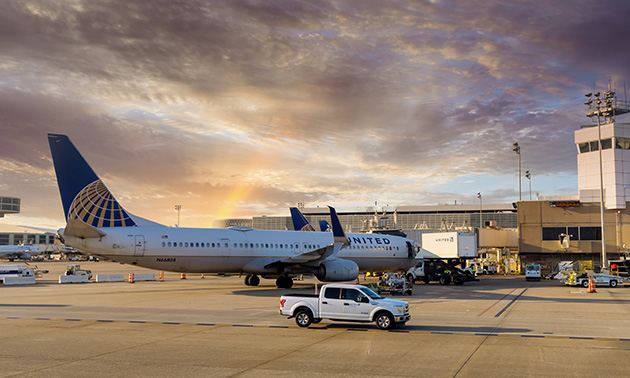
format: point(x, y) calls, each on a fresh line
point(284, 282)
point(252, 280)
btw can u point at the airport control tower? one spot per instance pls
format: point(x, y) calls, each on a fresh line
point(609, 137)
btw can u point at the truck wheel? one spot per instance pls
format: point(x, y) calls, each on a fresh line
point(585, 283)
point(384, 320)
point(410, 278)
point(613, 283)
point(445, 280)
point(303, 318)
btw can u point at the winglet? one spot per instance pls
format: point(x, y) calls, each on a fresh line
point(339, 234)
point(299, 221)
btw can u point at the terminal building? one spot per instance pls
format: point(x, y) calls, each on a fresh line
point(570, 227)
point(11, 205)
point(406, 218)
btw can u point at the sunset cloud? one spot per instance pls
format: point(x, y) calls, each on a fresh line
point(243, 108)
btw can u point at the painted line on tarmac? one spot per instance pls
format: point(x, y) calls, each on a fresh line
point(329, 327)
point(509, 304)
point(492, 305)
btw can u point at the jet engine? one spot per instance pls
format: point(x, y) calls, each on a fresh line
point(337, 270)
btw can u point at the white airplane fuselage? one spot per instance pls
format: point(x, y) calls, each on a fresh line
point(18, 251)
point(236, 250)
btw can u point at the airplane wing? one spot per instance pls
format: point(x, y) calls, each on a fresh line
point(310, 257)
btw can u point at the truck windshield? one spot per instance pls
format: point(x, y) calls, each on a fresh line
point(370, 293)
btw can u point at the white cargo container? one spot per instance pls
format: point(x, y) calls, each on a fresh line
point(448, 245)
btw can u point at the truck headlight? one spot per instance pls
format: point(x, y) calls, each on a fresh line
point(400, 309)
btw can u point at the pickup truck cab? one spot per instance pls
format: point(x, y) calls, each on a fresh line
point(340, 302)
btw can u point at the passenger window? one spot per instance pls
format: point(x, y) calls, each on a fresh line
point(332, 293)
point(186, 244)
point(197, 245)
point(203, 245)
point(163, 244)
point(180, 244)
point(169, 244)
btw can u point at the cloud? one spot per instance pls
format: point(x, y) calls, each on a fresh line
point(286, 101)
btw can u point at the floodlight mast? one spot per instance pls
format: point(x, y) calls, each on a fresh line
point(603, 110)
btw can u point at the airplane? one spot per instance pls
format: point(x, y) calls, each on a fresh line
point(96, 224)
point(371, 252)
point(22, 251)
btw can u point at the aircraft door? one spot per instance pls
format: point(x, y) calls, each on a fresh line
point(139, 246)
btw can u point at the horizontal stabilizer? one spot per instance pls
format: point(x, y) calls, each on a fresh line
point(80, 229)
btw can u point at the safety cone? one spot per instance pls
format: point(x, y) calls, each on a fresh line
point(591, 286)
point(202, 276)
point(183, 277)
point(161, 276)
point(131, 278)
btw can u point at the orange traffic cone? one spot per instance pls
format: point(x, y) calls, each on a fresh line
point(183, 277)
point(131, 278)
point(161, 276)
point(202, 276)
point(591, 286)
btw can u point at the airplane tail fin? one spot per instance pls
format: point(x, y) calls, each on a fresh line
point(339, 234)
point(324, 226)
point(83, 194)
point(299, 221)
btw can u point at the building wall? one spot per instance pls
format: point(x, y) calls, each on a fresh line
point(535, 216)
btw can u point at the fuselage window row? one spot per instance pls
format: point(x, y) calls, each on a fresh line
point(236, 245)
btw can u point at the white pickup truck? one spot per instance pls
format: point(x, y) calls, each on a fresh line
point(354, 303)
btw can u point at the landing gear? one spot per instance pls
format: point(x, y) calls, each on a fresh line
point(252, 280)
point(284, 282)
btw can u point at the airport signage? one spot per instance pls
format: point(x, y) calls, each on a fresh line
point(564, 203)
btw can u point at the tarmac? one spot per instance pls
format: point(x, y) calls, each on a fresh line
point(216, 326)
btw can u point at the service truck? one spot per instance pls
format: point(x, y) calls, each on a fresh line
point(342, 302)
point(441, 256)
point(600, 279)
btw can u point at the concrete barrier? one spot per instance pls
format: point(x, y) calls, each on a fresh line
point(144, 277)
point(19, 280)
point(73, 279)
point(110, 278)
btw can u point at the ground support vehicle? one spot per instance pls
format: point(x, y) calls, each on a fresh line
point(75, 270)
point(441, 257)
point(600, 279)
point(340, 302)
point(18, 275)
point(395, 283)
point(444, 272)
point(532, 272)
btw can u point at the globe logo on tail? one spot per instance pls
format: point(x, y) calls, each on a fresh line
point(96, 206)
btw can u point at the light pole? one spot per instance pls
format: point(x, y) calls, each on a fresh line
point(178, 208)
point(529, 177)
point(480, 213)
point(607, 111)
point(516, 148)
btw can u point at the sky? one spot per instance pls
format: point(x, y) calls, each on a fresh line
point(244, 108)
